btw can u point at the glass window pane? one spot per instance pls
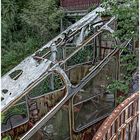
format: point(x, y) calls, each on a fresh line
point(51, 83)
point(84, 55)
point(15, 116)
point(92, 102)
point(79, 64)
point(47, 94)
point(40, 106)
point(92, 110)
point(57, 128)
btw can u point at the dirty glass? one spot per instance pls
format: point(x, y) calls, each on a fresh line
point(57, 128)
point(83, 55)
point(92, 102)
point(15, 116)
point(107, 44)
point(51, 83)
point(70, 49)
point(78, 65)
point(45, 96)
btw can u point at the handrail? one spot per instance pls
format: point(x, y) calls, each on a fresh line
point(122, 123)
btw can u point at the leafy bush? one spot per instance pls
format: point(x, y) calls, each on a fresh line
point(127, 15)
point(118, 86)
point(26, 26)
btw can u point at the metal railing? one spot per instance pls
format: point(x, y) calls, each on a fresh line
point(122, 124)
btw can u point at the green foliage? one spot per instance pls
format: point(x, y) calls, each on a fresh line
point(15, 110)
point(129, 64)
point(45, 86)
point(117, 85)
point(26, 26)
point(9, 11)
point(43, 17)
point(6, 137)
point(120, 99)
point(85, 54)
point(126, 13)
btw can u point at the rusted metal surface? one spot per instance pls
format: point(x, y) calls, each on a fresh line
point(122, 123)
point(78, 4)
point(17, 131)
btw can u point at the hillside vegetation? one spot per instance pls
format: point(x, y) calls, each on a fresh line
point(26, 26)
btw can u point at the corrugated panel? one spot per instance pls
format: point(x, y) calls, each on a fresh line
point(78, 4)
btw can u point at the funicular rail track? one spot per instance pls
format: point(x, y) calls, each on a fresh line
point(122, 123)
point(44, 63)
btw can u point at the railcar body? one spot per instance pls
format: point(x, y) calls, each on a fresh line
point(59, 92)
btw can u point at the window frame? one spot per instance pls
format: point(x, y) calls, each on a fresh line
point(114, 56)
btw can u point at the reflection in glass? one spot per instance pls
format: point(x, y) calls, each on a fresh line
point(92, 102)
point(51, 83)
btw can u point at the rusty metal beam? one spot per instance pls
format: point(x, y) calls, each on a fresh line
point(113, 118)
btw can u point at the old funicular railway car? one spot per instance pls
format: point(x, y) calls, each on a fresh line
point(59, 92)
